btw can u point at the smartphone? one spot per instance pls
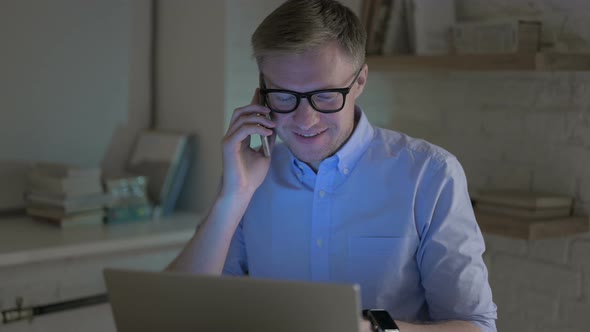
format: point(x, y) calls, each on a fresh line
point(263, 139)
point(265, 145)
point(381, 320)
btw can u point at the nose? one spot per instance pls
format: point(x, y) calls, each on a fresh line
point(305, 116)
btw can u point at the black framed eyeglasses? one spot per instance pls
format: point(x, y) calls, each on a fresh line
point(324, 101)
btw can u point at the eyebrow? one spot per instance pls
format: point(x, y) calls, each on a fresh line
point(277, 87)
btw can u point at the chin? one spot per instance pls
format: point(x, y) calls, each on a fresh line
point(309, 154)
point(309, 157)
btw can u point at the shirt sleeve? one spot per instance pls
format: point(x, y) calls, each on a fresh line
point(453, 273)
point(236, 263)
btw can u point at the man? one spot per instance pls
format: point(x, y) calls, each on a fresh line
point(340, 200)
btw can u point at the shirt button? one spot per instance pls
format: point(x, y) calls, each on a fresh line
point(319, 242)
point(322, 193)
point(345, 171)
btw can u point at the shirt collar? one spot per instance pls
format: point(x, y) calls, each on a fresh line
point(349, 154)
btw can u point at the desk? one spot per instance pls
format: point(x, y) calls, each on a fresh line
point(24, 240)
point(43, 264)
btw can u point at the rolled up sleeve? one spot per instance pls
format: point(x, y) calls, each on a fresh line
point(453, 273)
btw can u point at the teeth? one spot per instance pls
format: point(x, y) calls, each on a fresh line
point(310, 135)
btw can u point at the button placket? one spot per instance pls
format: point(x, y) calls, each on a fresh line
point(321, 220)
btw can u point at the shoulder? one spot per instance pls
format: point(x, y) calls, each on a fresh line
point(413, 150)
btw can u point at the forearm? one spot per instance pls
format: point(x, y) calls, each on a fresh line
point(450, 326)
point(206, 252)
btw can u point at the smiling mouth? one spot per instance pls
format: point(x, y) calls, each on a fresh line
point(309, 135)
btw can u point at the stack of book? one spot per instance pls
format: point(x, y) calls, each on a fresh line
point(66, 195)
point(524, 205)
point(419, 27)
point(386, 26)
point(497, 36)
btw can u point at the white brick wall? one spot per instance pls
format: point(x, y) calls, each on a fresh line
point(540, 284)
point(510, 130)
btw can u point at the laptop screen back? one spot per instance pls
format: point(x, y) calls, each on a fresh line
point(164, 301)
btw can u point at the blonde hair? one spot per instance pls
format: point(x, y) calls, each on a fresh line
point(300, 25)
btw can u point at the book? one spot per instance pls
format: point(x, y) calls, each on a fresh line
point(178, 176)
point(396, 34)
point(366, 12)
point(57, 212)
point(524, 213)
point(76, 203)
point(164, 159)
point(380, 11)
point(64, 185)
point(13, 177)
point(429, 25)
point(505, 36)
point(367, 19)
point(91, 217)
point(532, 229)
point(62, 170)
point(524, 199)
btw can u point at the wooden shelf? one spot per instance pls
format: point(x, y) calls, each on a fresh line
point(477, 62)
point(24, 240)
point(532, 229)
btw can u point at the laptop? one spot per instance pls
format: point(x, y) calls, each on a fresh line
point(164, 301)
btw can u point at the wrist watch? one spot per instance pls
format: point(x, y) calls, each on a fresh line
point(380, 320)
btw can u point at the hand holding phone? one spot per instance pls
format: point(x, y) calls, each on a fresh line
point(244, 168)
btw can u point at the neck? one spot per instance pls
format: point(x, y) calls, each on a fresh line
point(315, 166)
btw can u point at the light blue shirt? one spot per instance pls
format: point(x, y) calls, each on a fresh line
point(388, 212)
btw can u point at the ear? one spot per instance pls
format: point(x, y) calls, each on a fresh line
point(361, 81)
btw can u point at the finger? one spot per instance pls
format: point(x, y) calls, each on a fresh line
point(248, 110)
point(250, 119)
point(243, 134)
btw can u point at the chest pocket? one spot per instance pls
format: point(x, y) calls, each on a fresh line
point(373, 262)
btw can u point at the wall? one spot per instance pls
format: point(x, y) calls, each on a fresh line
point(74, 85)
point(65, 78)
point(190, 79)
point(509, 130)
point(139, 104)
